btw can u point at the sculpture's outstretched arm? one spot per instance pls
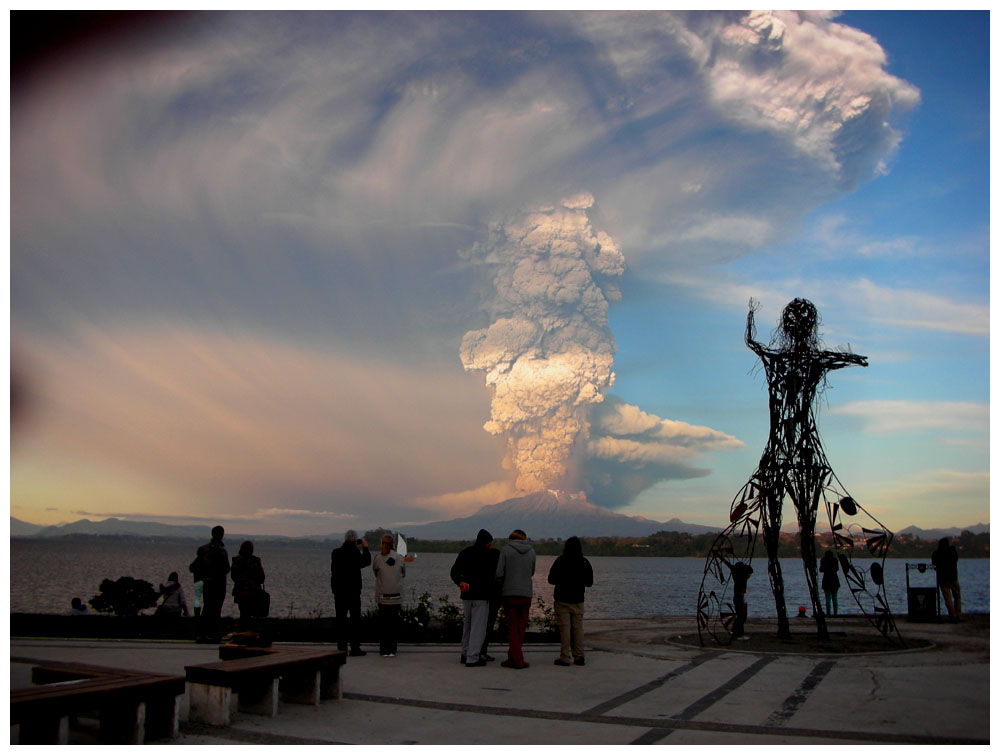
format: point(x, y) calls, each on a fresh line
point(835, 360)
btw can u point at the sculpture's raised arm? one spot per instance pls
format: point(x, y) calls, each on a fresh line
point(751, 334)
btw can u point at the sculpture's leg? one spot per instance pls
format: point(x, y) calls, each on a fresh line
point(771, 533)
point(809, 564)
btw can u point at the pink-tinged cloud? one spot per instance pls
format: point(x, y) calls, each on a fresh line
point(252, 421)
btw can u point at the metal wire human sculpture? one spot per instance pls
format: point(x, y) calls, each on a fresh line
point(794, 467)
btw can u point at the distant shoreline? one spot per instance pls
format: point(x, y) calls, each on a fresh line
point(661, 544)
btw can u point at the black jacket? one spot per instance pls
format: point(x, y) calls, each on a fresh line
point(571, 576)
point(211, 563)
point(477, 565)
point(346, 563)
point(945, 560)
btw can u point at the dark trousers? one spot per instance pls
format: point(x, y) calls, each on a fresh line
point(516, 610)
point(213, 597)
point(348, 609)
point(739, 620)
point(388, 628)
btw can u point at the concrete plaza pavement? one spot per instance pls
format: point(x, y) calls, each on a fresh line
point(641, 685)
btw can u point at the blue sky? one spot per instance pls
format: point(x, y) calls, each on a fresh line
point(279, 269)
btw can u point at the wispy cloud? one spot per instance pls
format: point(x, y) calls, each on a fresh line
point(906, 308)
point(910, 416)
point(252, 419)
point(919, 309)
point(936, 497)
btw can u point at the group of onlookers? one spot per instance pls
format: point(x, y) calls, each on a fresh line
point(487, 579)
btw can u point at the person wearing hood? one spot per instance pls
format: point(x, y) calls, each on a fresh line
point(571, 574)
point(515, 568)
point(174, 603)
point(473, 572)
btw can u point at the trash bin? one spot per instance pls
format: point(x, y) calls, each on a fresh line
point(922, 603)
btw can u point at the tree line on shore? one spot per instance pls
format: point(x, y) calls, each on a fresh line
point(681, 544)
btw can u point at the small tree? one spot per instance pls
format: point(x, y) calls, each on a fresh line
point(125, 596)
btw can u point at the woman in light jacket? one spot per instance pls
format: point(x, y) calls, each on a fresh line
point(389, 572)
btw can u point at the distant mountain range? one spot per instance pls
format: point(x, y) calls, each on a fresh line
point(549, 514)
point(937, 534)
point(545, 515)
point(120, 527)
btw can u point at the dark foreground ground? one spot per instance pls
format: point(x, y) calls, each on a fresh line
point(646, 681)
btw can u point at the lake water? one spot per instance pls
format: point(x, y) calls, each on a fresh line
point(47, 574)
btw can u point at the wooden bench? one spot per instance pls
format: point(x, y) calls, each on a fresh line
point(131, 706)
point(252, 680)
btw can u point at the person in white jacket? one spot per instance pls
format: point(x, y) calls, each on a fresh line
point(389, 571)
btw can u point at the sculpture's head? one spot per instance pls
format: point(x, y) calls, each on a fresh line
point(800, 324)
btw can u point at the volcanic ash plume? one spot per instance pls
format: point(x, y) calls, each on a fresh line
point(548, 354)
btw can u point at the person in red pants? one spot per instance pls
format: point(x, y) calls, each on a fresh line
point(515, 568)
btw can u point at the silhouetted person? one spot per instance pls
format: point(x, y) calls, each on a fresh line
point(248, 582)
point(389, 572)
point(741, 573)
point(829, 567)
point(346, 563)
point(945, 560)
point(474, 571)
point(571, 574)
point(174, 603)
point(515, 568)
point(77, 608)
point(212, 563)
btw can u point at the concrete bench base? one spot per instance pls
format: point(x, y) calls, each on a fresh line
point(129, 706)
point(254, 680)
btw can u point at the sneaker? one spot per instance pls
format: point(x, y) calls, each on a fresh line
point(358, 652)
point(479, 662)
point(579, 662)
point(560, 662)
point(743, 637)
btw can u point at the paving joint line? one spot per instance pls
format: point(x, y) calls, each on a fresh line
point(795, 700)
point(626, 697)
point(190, 728)
point(669, 723)
point(708, 700)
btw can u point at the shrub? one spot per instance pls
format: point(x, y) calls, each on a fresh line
point(125, 596)
point(546, 621)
